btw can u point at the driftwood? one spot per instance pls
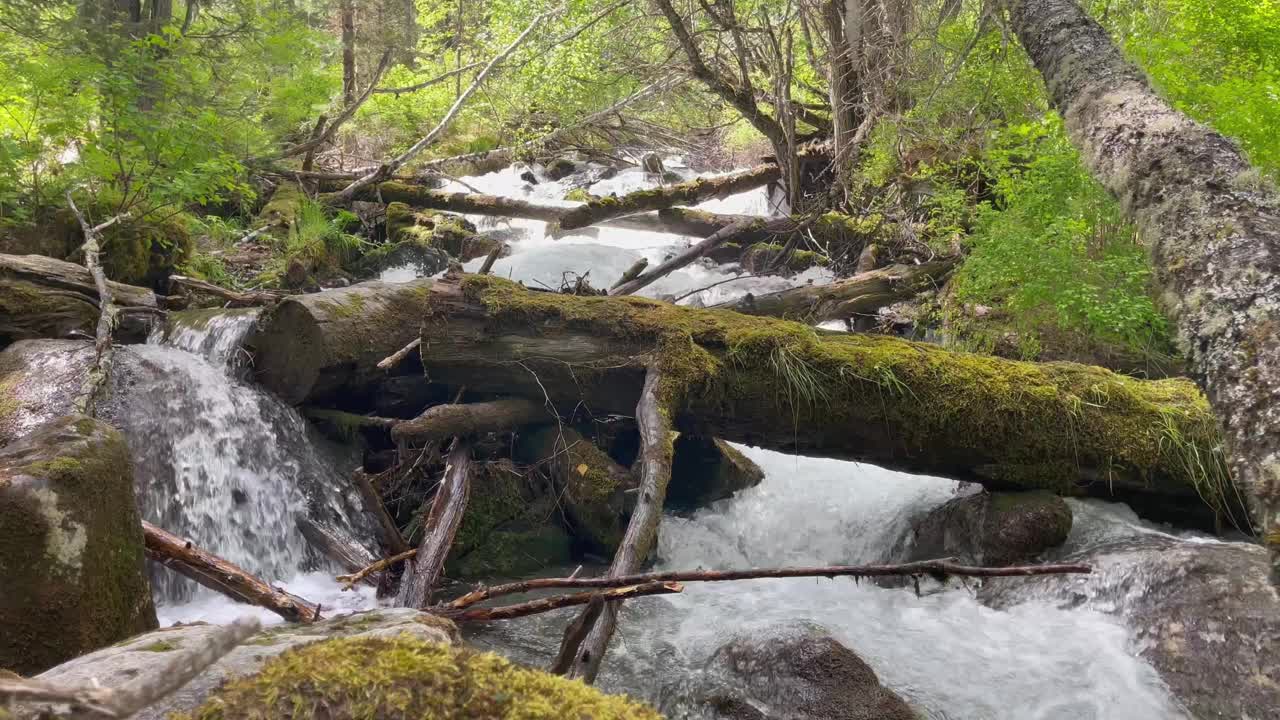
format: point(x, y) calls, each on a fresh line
point(942, 567)
point(374, 568)
point(335, 545)
point(389, 531)
point(233, 298)
point(68, 301)
point(122, 702)
point(654, 420)
point(458, 202)
point(631, 273)
point(609, 597)
point(862, 294)
point(699, 250)
point(444, 421)
point(908, 406)
point(439, 528)
point(215, 573)
point(398, 356)
point(685, 193)
point(106, 304)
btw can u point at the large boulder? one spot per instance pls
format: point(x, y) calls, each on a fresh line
point(1001, 528)
point(143, 658)
point(404, 677)
point(800, 673)
point(40, 380)
point(1203, 614)
point(706, 469)
point(71, 549)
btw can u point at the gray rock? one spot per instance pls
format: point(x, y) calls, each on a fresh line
point(993, 528)
point(141, 658)
point(40, 380)
point(1203, 613)
point(707, 469)
point(800, 673)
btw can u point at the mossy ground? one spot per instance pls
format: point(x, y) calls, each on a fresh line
point(366, 678)
point(1015, 423)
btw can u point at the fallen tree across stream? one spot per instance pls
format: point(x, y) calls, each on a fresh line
point(781, 385)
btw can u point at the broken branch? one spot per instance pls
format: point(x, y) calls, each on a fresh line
point(533, 607)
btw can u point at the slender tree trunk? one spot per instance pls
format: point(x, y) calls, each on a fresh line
point(348, 20)
point(1211, 222)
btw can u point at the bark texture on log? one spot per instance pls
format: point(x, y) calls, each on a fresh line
point(182, 556)
point(685, 193)
point(916, 407)
point(654, 419)
point(41, 297)
point(442, 521)
point(862, 294)
point(308, 346)
point(444, 421)
point(1212, 225)
point(469, 203)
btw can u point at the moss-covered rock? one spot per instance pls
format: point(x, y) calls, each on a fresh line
point(71, 552)
point(40, 380)
point(141, 250)
point(453, 234)
point(510, 527)
point(707, 469)
point(406, 678)
point(1000, 528)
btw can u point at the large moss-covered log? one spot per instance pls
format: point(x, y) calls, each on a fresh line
point(916, 407)
point(685, 193)
point(309, 346)
point(41, 297)
point(862, 294)
point(71, 555)
point(469, 203)
point(1210, 219)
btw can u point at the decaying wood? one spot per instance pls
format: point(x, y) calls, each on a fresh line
point(234, 298)
point(374, 568)
point(106, 305)
point(346, 419)
point(654, 421)
point(632, 272)
point(685, 193)
point(439, 527)
point(388, 530)
point(862, 294)
point(398, 356)
point(574, 635)
point(122, 702)
point(942, 567)
point(490, 259)
point(609, 597)
point(336, 545)
point(1211, 222)
point(68, 304)
point(458, 202)
point(215, 573)
point(695, 252)
point(444, 421)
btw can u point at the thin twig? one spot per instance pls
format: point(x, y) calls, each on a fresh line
point(533, 607)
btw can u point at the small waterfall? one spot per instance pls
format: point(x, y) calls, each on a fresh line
point(220, 461)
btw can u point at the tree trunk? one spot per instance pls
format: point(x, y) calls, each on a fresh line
point(862, 294)
point(347, 17)
point(1210, 220)
point(685, 193)
point(182, 556)
point(781, 385)
point(45, 298)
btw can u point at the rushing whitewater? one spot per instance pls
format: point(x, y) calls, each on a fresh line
point(230, 467)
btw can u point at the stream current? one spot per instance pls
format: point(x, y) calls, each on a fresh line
point(233, 468)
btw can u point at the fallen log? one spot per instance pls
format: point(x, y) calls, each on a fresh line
point(458, 202)
point(699, 250)
point(444, 421)
point(944, 567)
point(685, 193)
point(182, 556)
point(862, 294)
point(654, 420)
point(612, 596)
point(907, 406)
point(45, 298)
point(335, 545)
point(440, 527)
point(233, 298)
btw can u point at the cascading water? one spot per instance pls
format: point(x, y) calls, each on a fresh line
point(221, 462)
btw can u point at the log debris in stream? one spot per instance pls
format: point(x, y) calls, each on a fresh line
point(439, 528)
point(699, 250)
point(610, 597)
point(685, 193)
point(233, 298)
point(184, 557)
point(444, 421)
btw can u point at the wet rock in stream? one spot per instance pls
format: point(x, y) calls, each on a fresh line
point(1000, 528)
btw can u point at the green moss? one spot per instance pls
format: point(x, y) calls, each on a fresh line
point(1021, 423)
point(281, 211)
point(757, 256)
point(580, 195)
point(406, 678)
point(137, 250)
point(159, 646)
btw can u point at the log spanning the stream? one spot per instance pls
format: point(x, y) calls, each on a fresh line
point(215, 573)
point(907, 406)
point(41, 297)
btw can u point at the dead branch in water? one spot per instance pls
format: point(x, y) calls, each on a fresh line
point(355, 577)
point(440, 527)
point(215, 573)
point(533, 607)
point(944, 566)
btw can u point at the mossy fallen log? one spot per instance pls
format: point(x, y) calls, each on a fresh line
point(444, 421)
point(1069, 428)
point(41, 297)
point(685, 193)
point(469, 203)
